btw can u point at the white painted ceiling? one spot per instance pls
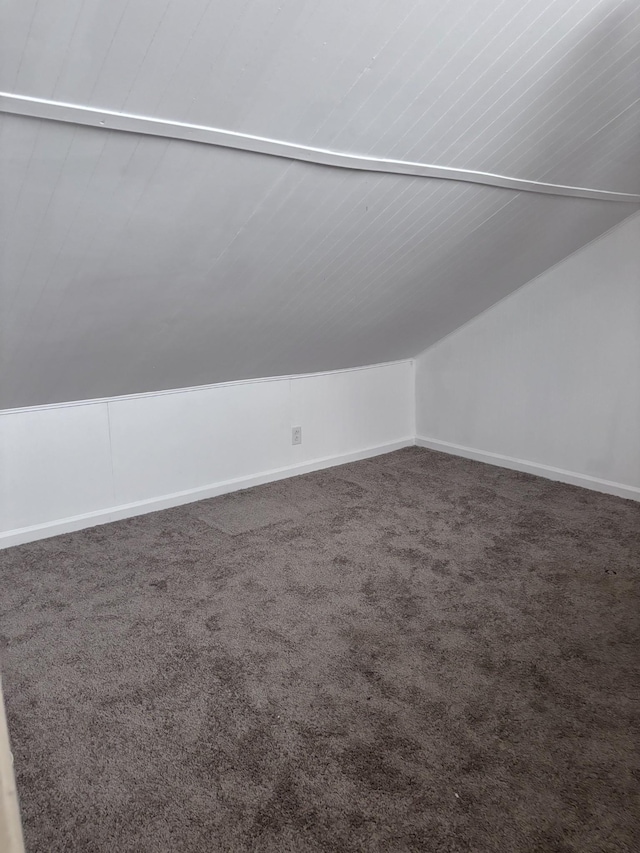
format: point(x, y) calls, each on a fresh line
point(131, 263)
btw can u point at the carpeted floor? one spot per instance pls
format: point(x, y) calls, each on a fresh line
point(409, 653)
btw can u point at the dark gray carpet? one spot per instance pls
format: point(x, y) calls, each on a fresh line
point(410, 653)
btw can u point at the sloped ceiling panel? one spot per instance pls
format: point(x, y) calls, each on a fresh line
point(132, 263)
point(511, 86)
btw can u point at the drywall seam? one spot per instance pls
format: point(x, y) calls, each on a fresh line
point(414, 395)
point(547, 471)
point(526, 285)
point(111, 468)
point(191, 388)
point(34, 532)
point(42, 108)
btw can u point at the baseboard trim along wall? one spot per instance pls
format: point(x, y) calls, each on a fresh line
point(117, 513)
point(35, 532)
point(549, 472)
point(77, 465)
point(68, 467)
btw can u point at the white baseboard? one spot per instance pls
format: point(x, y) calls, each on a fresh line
point(548, 471)
point(90, 519)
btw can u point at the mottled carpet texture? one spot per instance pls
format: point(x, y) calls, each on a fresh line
point(409, 653)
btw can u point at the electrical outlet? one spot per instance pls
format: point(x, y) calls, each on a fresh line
point(296, 435)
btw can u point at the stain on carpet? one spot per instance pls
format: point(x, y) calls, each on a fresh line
point(409, 653)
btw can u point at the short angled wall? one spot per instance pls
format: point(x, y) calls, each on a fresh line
point(70, 466)
point(548, 380)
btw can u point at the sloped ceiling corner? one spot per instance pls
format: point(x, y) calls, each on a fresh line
point(131, 263)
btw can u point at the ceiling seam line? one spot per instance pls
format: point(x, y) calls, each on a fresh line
point(75, 114)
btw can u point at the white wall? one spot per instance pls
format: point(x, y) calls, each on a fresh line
point(548, 380)
point(69, 466)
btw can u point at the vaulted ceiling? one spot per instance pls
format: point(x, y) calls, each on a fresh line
point(134, 263)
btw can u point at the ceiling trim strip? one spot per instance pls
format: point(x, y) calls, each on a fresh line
point(42, 108)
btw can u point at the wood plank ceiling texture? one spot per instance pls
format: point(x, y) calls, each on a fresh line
point(133, 263)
